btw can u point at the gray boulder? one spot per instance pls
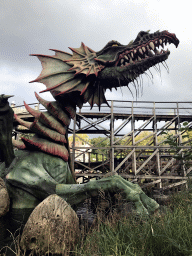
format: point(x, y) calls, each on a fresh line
point(52, 227)
point(4, 198)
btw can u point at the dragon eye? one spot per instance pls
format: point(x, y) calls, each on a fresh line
point(114, 45)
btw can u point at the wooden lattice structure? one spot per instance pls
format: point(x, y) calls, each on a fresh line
point(152, 161)
point(121, 123)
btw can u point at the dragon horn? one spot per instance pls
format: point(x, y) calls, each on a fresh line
point(7, 96)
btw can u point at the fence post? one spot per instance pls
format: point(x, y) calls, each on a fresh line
point(112, 139)
point(133, 141)
point(73, 145)
point(159, 185)
point(179, 143)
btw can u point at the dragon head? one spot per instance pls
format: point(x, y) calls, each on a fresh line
point(85, 75)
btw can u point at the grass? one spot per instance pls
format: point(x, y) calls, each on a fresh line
point(167, 233)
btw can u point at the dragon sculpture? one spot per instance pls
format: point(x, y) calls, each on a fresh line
point(42, 166)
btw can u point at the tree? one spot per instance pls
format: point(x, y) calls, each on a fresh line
point(184, 156)
point(100, 142)
point(84, 138)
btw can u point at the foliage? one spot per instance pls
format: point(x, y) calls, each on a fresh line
point(84, 138)
point(185, 156)
point(101, 142)
point(167, 233)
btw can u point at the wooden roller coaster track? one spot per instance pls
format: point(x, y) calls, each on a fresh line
point(146, 160)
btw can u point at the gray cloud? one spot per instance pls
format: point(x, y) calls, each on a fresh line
point(36, 26)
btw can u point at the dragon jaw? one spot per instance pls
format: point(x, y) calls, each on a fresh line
point(134, 59)
point(85, 75)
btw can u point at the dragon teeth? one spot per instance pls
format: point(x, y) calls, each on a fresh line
point(132, 54)
point(156, 51)
point(139, 59)
point(130, 61)
point(150, 53)
point(140, 51)
point(152, 45)
point(143, 48)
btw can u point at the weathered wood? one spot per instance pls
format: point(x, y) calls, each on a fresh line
point(168, 164)
point(174, 185)
point(119, 128)
point(134, 166)
point(154, 153)
point(132, 176)
point(124, 160)
point(142, 156)
point(73, 144)
point(189, 170)
point(151, 183)
point(93, 124)
point(112, 140)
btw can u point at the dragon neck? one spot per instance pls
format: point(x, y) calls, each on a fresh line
point(50, 128)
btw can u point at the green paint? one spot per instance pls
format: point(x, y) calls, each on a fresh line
point(75, 194)
point(36, 174)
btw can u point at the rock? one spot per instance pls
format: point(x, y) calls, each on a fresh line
point(4, 198)
point(52, 227)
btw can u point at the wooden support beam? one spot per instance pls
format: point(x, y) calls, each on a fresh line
point(151, 183)
point(174, 185)
point(154, 153)
point(93, 123)
point(112, 140)
point(134, 165)
point(188, 171)
point(124, 160)
point(132, 176)
point(169, 163)
point(119, 128)
point(141, 127)
point(73, 144)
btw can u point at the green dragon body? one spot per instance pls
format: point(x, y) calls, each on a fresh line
point(43, 166)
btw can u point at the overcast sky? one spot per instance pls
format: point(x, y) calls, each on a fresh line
point(35, 26)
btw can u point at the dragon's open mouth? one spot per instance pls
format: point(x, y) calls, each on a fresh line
point(153, 51)
point(85, 75)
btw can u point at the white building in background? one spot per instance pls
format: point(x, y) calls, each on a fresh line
point(83, 154)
